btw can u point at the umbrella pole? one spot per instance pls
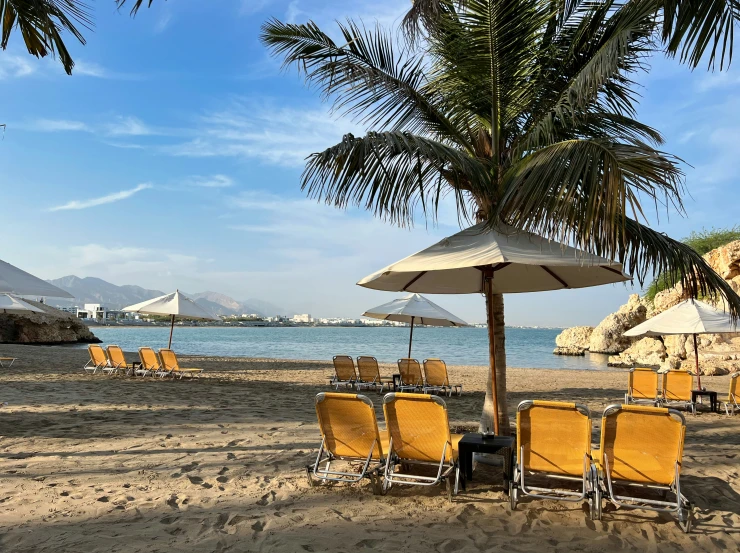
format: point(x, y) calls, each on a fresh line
point(411, 336)
point(488, 286)
point(172, 327)
point(696, 357)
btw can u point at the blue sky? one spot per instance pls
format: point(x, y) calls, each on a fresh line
point(172, 159)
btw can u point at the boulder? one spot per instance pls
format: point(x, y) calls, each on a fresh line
point(644, 352)
point(573, 341)
point(671, 363)
point(608, 336)
point(711, 366)
point(569, 350)
point(51, 327)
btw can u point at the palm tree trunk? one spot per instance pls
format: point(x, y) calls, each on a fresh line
point(486, 421)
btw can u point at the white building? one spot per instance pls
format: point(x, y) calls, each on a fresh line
point(303, 318)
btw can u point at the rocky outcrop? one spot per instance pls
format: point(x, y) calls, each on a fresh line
point(51, 327)
point(608, 336)
point(644, 352)
point(573, 341)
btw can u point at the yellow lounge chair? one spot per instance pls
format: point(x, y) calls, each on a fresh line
point(733, 396)
point(150, 363)
point(8, 360)
point(419, 433)
point(98, 360)
point(349, 432)
point(436, 378)
point(644, 386)
point(172, 367)
point(344, 372)
point(411, 377)
point(369, 375)
point(554, 440)
point(677, 386)
point(642, 447)
point(117, 360)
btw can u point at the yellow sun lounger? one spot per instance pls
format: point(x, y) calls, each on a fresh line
point(98, 360)
point(436, 378)
point(117, 360)
point(420, 435)
point(554, 440)
point(344, 372)
point(172, 367)
point(642, 447)
point(733, 396)
point(677, 386)
point(644, 386)
point(349, 433)
point(8, 360)
point(369, 375)
point(411, 377)
point(150, 364)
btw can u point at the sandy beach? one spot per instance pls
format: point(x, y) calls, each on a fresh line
point(92, 463)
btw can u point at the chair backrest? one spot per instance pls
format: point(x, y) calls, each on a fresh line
point(435, 372)
point(677, 385)
point(554, 436)
point(344, 367)
point(115, 354)
point(97, 355)
point(642, 444)
point(643, 383)
point(367, 367)
point(348, 425)
point(410, 370)
point(169, 360)
point(418, 426)
point(149, 359)
point(732, 395)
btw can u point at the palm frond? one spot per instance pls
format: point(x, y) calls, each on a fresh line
point(136, 5)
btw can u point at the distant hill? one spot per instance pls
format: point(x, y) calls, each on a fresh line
point(96, 290)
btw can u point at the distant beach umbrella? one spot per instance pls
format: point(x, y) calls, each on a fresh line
point(175, 304)
point(16, 306)
point(15, 281)
point(506, 260)
point(688, 317)
point(414, 308)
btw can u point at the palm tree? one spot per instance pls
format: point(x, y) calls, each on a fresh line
point(524, 111)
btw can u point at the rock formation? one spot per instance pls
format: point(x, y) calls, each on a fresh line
point(608, 336)
point(644, 352)
point(573, 341)
point(51, 327)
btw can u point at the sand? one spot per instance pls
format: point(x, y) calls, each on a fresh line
point(90, 463)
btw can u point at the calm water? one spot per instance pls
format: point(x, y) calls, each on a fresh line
point(525, 347)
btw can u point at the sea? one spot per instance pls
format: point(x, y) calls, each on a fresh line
point(525, 347)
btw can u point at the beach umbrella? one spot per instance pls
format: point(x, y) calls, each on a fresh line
point(16, 306)
point(501, 261)
point(688, 317)
point(414, 308)
point(175, 304)
point(15, 281)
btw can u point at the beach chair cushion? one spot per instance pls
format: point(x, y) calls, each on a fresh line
point(97, 355)
point(435, 371)
point(344, 368)
point(116, 356)
point(367, 368)
point(642, 444)
point(410, 370)
point(170, 363)
point(554, 437)
point(677, 385)
point(349, 426)
point(643, 383)
point(732, 394)
point(149, 359)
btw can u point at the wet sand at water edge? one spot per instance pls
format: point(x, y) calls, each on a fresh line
point(91, 463)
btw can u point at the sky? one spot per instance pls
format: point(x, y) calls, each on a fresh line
point(172, 159)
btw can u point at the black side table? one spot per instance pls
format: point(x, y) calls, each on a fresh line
point(712, 398)
point(476, 443)
point(396, 381)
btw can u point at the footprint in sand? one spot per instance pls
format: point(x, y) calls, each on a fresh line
point(189, 467)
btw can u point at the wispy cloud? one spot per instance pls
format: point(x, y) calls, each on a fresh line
point(90, 69)
point(94, 202)
point(213, 181)
point(14, 66)
point(55, 125)
point(128, 126)
point(163, 22)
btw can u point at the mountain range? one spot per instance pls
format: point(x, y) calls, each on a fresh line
point(97, 290)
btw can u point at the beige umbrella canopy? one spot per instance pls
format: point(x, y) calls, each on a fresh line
point(175, 304)
point(16, 306)
point(502, 261)
point(15, 281)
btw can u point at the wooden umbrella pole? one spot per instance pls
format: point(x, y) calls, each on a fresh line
point(172, 327)
point(411, 336)
point(696, 357)
point(488, 288)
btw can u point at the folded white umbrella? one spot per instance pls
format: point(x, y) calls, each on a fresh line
point(414, 308)
point(16, 306)
point(175, 304)
point(688, 317)
point(15, 281)
point(502, 261)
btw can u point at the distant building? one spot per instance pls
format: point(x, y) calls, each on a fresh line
point(303, 318)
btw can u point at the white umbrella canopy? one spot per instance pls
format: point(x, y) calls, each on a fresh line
point(15, 281)
point(414, 308)
point(175, 304)
point(688, 317)
point(502, 261)
point(16, 306)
